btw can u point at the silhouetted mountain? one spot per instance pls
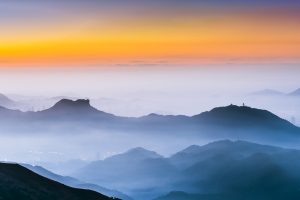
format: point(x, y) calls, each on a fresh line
point(258, 176)
point(295, 93)
point(218, 170)
point(135, 154)
point(17, 182)
point(243, 116)
point(66, 105)
point(79, 109)
point(232, 122)
point(235, 170)
point(72, 182)
point(137, 167)
point(237, 150)
point(268, 92)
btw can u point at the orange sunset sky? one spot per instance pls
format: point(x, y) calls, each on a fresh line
point(62, 33)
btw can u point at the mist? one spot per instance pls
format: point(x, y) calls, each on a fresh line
point(93, 138)
point(140, 90)
point(137, 91)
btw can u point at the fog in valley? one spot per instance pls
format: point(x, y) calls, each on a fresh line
point(135, 92)
point(90, 124)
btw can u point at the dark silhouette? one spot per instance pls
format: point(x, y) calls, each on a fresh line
point(17, 182)
point(232, 121)
point(219, 170)
point(72, 182)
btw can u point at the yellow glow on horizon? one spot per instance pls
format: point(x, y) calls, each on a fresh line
point(193, 40)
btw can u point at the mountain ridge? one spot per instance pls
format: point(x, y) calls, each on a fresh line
point(243, 165)
point(242, 115)
point(79, 106)
point(232, 122)
point(73, 106)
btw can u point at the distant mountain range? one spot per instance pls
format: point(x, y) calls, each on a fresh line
point(232, 122)
point(30, 103)
point(270, 92)
point(220, 170)
point(17, 182)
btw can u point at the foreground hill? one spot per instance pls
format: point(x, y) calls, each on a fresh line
point(72, 182)
point(17, 182)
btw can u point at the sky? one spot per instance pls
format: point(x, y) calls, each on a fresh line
point(72, 33)
point(135, 57)
point(149, 53)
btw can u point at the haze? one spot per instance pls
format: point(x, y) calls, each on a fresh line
point(139, 89)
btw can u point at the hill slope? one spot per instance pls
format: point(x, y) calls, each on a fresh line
point(72, 182)
point(17, 182)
